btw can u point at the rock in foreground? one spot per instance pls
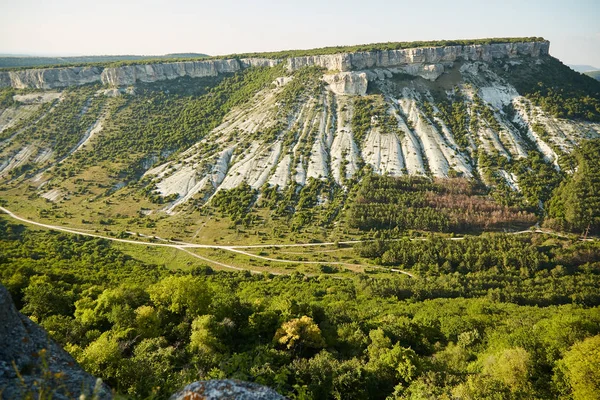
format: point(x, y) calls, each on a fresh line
point(226, 389)
point(33, 366)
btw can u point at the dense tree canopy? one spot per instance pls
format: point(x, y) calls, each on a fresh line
point(462, 328)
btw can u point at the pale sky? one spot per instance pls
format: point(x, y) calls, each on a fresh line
point(88, 27)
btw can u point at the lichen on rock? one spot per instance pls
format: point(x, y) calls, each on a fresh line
point(226, 389)
point(33, 365)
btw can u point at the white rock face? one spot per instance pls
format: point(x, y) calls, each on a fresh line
point(383, 152)
point(10, 116)
point(431, 142)
point(130, 74)
point(351, 83)
point(429, 59)
point(426, 71)
point(498, 95)
point(37, 98)
point(281, 175)
point(181, 182)
point(424, 55)
point(258, 62)
point(523, 118)
point(282, 81)
point(20, 158)
point(50, 78)
point(53, 195)
point(511, 179)
point(411, 148)
point(345, 154)
point(318, 166)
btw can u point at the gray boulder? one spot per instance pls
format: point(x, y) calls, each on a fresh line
point(226, 389)
point(32, 364)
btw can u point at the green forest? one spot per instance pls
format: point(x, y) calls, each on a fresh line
point(491, 317)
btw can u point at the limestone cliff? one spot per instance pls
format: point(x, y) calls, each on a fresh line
point(130, 74)
point(347, 83)
point(51, 78)
point(423, 55)
point(424, 61)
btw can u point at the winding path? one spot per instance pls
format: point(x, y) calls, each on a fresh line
point(184, 246)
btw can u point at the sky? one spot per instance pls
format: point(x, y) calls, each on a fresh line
point(217, 27)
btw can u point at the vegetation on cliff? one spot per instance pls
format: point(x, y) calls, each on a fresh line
point(556, 88)
point(575, 205)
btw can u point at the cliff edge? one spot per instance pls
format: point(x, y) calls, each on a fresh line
point(52, 78)
point(32, 364)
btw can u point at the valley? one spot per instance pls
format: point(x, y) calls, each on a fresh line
point(397, 220)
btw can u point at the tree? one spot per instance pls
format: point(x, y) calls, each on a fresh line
point(147, 321)
point(103, 357)
point(299, 334)
point(181, 295)
point(204, 339)
point(151, 369)
point(579, 371)
point(576, 203)
point(43, 299)
point(512, 367)
point(390, 365)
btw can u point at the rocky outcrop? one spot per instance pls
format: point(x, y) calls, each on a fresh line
point(226, 389)
point(51, 78)
point(351, 83)
point(426, 71)
point(430, 57)
point(424, 55)
point(25, 348)
point(356, 82)
point(130, 74)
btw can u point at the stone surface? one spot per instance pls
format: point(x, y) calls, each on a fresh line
point(351, 83)
point(429, 59)
point(130, 74)
point(226, 389)
point(24, 347)
point(50, 78)
point(422, 55)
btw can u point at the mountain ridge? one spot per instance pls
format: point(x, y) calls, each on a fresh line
point(169, 139)
point(48, 78)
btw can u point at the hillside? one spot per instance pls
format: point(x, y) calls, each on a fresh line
point(158, 140)
point(397, 220)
